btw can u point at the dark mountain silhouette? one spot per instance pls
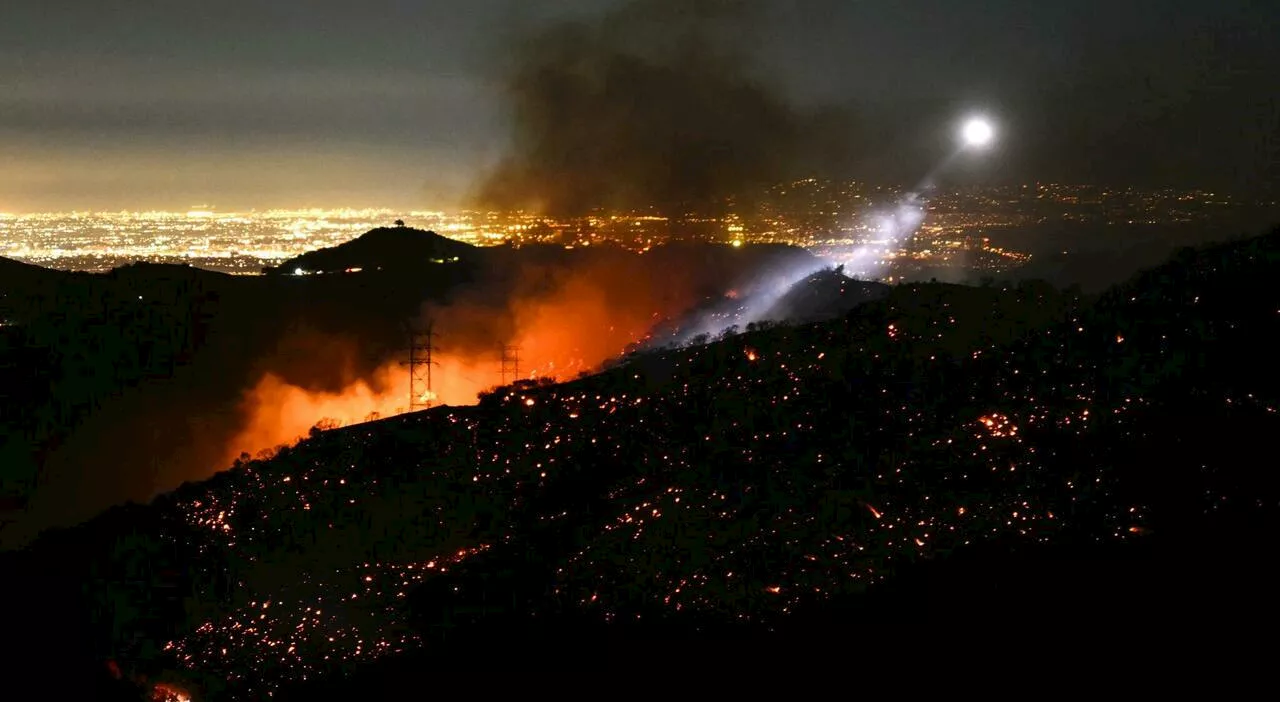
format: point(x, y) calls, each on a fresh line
point(1098, 255)
point(824, 295)
point(385, 248)
point(17, 272)
point(946, 468)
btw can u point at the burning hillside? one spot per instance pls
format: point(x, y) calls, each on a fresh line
point(562, 320)
point(558, 316)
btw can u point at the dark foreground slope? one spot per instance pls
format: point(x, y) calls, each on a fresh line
point(947, 470)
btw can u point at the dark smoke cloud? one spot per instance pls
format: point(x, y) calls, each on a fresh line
point(655, 105)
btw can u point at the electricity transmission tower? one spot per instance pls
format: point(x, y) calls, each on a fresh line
point(421, 396)
point(510, 363)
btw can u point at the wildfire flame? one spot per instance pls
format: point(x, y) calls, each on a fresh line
point(585, 320)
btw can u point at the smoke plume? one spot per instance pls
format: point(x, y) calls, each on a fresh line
point(655, 106)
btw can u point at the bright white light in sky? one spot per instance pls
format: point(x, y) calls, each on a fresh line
point(977, 132)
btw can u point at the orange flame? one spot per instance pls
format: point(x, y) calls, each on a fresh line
point(587, 318)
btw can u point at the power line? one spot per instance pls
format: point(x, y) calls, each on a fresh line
point(421, 395)
point(510, 363)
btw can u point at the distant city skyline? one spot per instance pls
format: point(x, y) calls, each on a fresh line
point(828, 217)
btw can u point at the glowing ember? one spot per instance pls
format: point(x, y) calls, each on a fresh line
point(167, 692)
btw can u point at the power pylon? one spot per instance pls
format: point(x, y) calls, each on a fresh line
point(421, 396)
point(510, 363)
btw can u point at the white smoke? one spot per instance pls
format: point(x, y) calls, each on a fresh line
point(885, 234)
point(872, 259)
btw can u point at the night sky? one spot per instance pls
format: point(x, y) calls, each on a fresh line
point(114, 104)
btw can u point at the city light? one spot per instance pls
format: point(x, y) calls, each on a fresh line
point(836, 220)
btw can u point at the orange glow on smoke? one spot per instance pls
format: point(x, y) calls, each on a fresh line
point(280, 413)
point(583, 320)
point(576, 329)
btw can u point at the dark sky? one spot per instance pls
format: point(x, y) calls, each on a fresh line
point(242, 103)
